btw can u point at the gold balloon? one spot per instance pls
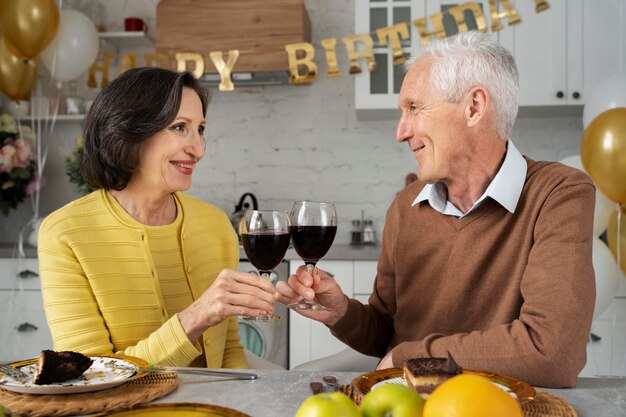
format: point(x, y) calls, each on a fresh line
point(613, 233)
point(17, 73)
point(603, 153)
point(29, 25)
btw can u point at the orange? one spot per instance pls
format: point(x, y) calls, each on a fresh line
point(469, 395)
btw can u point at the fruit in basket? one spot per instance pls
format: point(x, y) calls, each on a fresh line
point(327, 404)
point(394, 400)
point(469, 395)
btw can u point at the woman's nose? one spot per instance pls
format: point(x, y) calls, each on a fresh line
point(198, 146)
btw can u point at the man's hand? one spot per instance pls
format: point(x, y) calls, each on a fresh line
point(320, 287)
point(386, 361)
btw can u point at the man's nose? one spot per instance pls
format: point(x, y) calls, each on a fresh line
point(402, 130)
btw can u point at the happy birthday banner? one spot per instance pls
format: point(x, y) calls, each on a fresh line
point(302, 67)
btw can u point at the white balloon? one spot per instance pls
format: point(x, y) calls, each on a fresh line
point(607, 276)
point(74, 48)
point(604, 206)
point(609, 94)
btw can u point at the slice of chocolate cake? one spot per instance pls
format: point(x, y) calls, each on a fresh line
point(425, 374)
point(55, 367)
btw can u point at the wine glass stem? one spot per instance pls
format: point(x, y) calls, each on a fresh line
point(310, 267)
point(265, 275)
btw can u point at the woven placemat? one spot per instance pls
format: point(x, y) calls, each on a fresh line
point(543, 405)
point(548, 405)
point(137, 391)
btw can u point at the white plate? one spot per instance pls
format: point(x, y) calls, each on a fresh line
point(400, 380)
point(97, 377)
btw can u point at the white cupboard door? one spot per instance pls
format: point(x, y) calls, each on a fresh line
point(364, 276)
point(539, 45)
point(602, 42)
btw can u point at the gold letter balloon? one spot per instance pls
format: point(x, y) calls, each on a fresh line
point(603, 153)
point(29, 25)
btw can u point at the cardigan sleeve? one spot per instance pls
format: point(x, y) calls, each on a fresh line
point(75, 318)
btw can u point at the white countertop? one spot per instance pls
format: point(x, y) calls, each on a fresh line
point(280, 393)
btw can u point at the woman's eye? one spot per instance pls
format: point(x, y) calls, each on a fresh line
point(201, 130)
point(177, 128)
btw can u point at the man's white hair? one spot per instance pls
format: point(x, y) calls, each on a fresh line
point(470, 59)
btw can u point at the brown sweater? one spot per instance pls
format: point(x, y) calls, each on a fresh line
point(507, 293)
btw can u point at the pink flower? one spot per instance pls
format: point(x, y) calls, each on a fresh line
point(23, 153)
point(7, 155)
point(35, 184)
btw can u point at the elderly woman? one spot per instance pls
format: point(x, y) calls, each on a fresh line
point(137, 266)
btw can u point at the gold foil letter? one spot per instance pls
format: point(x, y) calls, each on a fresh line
point(438, 31)
point(459, 17)
point(161, 60)
point(301, 58)
point(509, 12)
point(394, 33)
point(331, 57)
point(127, 62)
point(104, 69)
point(365, 52)
point(225, 69)
point(541, 5)
point(184, 57)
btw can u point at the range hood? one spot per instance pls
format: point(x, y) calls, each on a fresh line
point(259, 29)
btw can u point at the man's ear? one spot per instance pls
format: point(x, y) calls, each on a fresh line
point(478, 101)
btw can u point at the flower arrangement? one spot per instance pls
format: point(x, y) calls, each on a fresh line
point(18, 167)
point(72, 168)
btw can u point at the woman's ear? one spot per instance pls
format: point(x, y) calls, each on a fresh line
point(477, 105)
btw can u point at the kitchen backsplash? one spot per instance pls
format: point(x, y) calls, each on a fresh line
point(285, 143)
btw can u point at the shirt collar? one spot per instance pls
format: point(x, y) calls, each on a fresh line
point(505, 188)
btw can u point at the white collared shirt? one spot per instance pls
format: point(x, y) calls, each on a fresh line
point(505, 188)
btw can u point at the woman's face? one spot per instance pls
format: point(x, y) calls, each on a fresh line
point(169, 158)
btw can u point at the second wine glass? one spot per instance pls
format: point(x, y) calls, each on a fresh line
point(265, 238)
point(313, 228)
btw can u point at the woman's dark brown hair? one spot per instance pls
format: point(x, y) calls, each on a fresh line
point(134, 107)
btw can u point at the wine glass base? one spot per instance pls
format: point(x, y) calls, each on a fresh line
point(269, 317)
point(307, 305)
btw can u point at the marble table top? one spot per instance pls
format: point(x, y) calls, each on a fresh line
point(280, 393)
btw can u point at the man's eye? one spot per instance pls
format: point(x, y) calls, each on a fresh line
point(201, 130)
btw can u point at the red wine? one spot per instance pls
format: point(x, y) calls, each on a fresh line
point(265, 250)
point(312, 242)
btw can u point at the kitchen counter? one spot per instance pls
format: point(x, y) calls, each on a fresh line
point(337, 253)
point(280, 393)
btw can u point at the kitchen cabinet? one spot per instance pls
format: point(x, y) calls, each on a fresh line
point(23, 328)
point(565, 52)
point(562, 53)
point(308, 339)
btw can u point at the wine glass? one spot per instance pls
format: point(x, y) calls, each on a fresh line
point(265, 237)
point(313, 228)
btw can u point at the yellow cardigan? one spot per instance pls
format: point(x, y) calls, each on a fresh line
point(101, 293)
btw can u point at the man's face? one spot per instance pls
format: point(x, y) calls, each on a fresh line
point(433, 128)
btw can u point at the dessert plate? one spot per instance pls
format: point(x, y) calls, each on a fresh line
point(176, 409)
point(366, 382)
point(99, 376)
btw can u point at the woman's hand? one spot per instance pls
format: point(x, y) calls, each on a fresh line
point(320, 287)
point(232, 294)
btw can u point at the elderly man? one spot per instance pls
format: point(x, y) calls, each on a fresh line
point(488, 255)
